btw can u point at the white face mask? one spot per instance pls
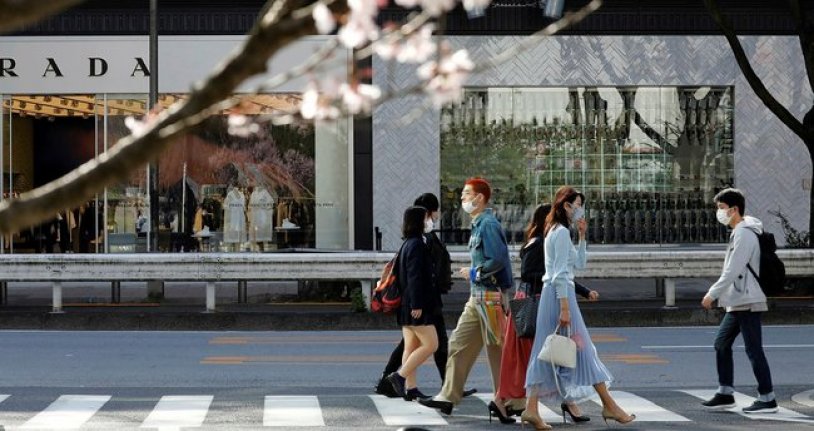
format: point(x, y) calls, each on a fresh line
point(578, 214)
point(722, 216)
point(468, 207)
point(428, 225)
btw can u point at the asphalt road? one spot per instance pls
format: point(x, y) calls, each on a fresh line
point(258, 380)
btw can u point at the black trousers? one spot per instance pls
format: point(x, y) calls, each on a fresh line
point(440, 355)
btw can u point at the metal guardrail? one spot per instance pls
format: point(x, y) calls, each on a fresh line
point(362, 266)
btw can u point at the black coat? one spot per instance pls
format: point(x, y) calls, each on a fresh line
point(416, 276)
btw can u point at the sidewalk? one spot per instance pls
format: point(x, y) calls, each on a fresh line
point(622, 303)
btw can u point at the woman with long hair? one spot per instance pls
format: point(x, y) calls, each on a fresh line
point(419, 301)
point(516, 349)
point(558, 308)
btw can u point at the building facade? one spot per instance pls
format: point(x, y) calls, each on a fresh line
point(642, 107)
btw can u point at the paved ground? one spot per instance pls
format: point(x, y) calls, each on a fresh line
point(255, 380)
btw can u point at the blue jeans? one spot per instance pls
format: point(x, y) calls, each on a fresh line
point(747, 323)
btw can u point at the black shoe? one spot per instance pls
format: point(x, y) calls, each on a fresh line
point(720, 402)
point(762, 407)
point(397, 382)
point(469, 392)
point(514, 412)
point(575, 419)
point(413, 394)
point(444, 406)
point(495, 411)
point(385, 388)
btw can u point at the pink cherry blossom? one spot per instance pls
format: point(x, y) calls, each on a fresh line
point(359, 98)
point(476, 4)
point(323, 18)
point(418, 47)
point(314, 107)
point(445, 79)
point(242, 125)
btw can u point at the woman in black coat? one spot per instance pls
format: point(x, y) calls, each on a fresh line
point(419, 300)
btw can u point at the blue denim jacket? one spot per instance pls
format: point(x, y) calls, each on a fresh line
point(490, 254)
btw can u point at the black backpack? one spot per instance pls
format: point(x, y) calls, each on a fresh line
point(772, 270)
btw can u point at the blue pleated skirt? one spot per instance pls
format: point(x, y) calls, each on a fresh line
point(575, 383)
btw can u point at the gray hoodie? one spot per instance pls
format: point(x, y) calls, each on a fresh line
point(737, 287)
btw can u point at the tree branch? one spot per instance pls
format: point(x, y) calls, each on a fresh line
point(806, 39)
point(275, 29)
point(15, 14)
point(751, 77)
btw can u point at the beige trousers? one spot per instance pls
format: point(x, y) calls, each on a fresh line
point(465, 345)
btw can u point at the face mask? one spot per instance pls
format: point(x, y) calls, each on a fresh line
point(428, 225)
point(723, 218)
point(468, 207)
point(578, 213)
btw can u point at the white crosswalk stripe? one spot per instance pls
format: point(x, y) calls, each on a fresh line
point(644, 409)
point(397, 412)
point(67, 412)
point(546, 413)
point(742, 401)
point(805, 398)
point(175, 411)
point(292, 411)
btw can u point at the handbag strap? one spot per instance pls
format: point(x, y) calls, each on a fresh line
point(554, 367)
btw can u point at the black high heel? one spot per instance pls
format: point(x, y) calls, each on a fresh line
point(415, 393)
point(576, 419)
point(495, 411)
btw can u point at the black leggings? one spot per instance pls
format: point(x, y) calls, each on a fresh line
point(440, 355)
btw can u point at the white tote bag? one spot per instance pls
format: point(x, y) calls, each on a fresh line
point(559, 350)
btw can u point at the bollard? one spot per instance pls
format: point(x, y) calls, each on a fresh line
point(242, 292)
point(210, 296)
point(115, 292)
point(367, 290)
point(670, 294)
point(57, 297)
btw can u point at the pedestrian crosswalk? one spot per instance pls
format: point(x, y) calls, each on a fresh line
point(176, 412)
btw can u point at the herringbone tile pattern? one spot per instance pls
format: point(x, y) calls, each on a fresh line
point(770, 161)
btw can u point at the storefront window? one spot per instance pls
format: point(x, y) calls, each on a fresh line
point(217, 190)
point(649, 159)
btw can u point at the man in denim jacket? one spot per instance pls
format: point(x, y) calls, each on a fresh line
point(481, 323)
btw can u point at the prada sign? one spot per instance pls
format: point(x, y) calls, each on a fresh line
point(117, 65)
point(97, 66)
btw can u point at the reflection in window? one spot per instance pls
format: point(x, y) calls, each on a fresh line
point(217, 191)
point(649, 159)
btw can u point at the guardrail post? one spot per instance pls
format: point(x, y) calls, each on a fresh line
point(367, 290)
point(115, 292)
point(210, 296)
point(242, 296)
point(3, 292)
point(659, 287)
point(56, 302)
point(670, 293)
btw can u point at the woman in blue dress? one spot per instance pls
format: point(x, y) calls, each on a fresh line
point(558, 306)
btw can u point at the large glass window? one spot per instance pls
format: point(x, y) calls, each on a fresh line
point(217, 191)
point(649, 159)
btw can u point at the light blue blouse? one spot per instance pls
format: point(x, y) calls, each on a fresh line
point(561, 257)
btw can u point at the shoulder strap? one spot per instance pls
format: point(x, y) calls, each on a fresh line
point(748, 265)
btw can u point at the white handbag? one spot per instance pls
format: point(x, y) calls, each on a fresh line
point(559, 350)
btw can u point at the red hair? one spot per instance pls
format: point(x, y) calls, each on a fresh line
point(480, 185)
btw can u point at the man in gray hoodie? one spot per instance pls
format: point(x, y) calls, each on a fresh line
point(738, 291)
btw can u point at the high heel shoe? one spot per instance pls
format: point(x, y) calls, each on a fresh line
point(576, 419)
point(536, 421)
point(495, 411)
point(608, 415)
point(414, 393)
